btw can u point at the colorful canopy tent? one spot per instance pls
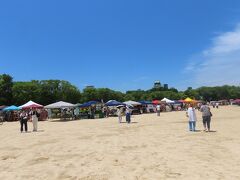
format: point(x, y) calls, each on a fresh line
point(236, 101)
point(145, 102)
point(60, 104)
point(114, 103)
point(188, 100)
point(12, 108)
point(167, 101)
point(31, 104)
point(132, 103)
point(88, 104)
point(155, 102)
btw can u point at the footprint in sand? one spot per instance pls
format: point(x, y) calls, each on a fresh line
point(7, 157)
point(38, 160)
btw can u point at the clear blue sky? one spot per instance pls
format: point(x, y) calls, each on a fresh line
point(123, 45)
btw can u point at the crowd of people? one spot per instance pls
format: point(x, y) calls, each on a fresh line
point(190, 113)
point(34, 115)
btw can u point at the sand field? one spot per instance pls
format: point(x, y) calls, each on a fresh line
point(150, 148)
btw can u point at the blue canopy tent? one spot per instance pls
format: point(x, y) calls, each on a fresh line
point(12, 108)
point(114, 103)
point(88, 104)
point(145, 102)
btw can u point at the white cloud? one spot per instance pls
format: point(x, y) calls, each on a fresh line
point(220, 63)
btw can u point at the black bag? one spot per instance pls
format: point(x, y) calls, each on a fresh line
point(37, 114)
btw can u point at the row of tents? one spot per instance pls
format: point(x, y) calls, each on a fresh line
point(62, 104)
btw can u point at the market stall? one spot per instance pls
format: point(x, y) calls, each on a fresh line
point(91, 110)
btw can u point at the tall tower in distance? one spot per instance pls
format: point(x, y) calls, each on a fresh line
point(165, 86)
point(157, 84)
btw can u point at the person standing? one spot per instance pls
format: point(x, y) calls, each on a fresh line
point(206, 115)
point(35, 116)
point(23, 121)
point(128, 115)
point(192, 117)
point(119, 114)
point(158, 109)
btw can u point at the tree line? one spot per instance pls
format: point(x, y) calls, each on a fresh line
point(50, 91)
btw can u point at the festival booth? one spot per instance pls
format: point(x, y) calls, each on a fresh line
point(112, 107)
point(11, 113)
point(61, 110)
point(91, 110)
point(188, 101)
point(137, 107)
point(30, 105)
point(167, 105)
point(236, 102)
point(158, 102)
point(147, 106)
point(223, 102)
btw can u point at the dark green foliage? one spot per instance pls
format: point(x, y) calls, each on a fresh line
point(5, 89)
point(50, 91)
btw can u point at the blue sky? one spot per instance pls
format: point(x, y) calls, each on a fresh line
point(123, 45)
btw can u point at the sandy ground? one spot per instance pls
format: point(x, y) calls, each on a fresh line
point(150, 148)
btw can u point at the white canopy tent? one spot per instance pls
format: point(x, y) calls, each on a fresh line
point(29, 104)
point(60, 104)
point(167, 100)
point(132, 103)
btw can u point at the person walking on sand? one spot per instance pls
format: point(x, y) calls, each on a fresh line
point(206, 115)
point(23, 121)
point(158, 109)
point(191, 114)
point(119, 114)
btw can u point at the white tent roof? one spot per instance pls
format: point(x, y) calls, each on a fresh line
point(60, 104)
point(133, 103)
point(167, 100)
point(29, 103)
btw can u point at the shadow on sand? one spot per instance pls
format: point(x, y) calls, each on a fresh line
point(130, 123)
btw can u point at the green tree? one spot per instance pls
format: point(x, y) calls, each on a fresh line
point(6, 85)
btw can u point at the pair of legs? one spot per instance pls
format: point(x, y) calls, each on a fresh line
point(207, 123)
point(128, 118)
point(120, 119)
point(35, 124)
point(23, 123)
point(192, 126)
point(158, 113)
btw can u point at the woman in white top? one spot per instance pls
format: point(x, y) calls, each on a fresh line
point(192, 117)
point(119, 114)
point(35, 120)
